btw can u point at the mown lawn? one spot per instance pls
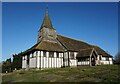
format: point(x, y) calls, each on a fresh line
point(104, 73)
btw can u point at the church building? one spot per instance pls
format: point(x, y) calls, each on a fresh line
point(55, 51)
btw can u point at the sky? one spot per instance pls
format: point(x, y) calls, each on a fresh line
point(92, 22)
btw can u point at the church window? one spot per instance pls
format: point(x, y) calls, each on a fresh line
point(44, 53)
point(107, 58)
point(36, 53)
point(87, 59)
point(57, 55)
point(72, 55)
point(51, 54)
point(100, 57)
point(79, 60)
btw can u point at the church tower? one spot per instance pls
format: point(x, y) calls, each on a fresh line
point(47, 32)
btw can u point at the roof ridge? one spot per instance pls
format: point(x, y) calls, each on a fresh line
point(85, 49)
point(75, 39)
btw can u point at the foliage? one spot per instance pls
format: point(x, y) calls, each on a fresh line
point(9, 66)
point(17, 61)
point(117, 58)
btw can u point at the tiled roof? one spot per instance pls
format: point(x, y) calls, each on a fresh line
point(101, 51)
point(85, 52)
point(50, 46)
point(70, 45)
point(76, 45)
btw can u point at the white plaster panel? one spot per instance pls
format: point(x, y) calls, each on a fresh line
point(61, 61)
point(47, 54)
point(111, 62)
point(26, 57)
point(52, 62)
point(83, 63)
point(23, 57)
point(55, 61)
point(38, 62)
point(38, 53)
point(46, 62)
point(75, 54)
point(32, 63)
point(49, 62)
point(34, 54)
point(110, 59)
point(24, 63)
point(55, 54)
point(41, 53)
point(41, 62)
point(103, 58)
point(98, 57)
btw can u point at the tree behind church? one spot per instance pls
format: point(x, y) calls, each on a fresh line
point(17, 61)
point(117, 58)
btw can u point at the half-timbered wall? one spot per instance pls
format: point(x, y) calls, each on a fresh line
point(24, 61)
point(66, 58)
point(72, 57)
point(83, 61)
point(43, 59)
point(104, 60)
point(33, 60)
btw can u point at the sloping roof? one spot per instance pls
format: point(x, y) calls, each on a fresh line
point(101, 51)
point(44, 45)
point(30, 49)
point(76, 45)
point(50, 46)
point(85, 52)
point(72, 44)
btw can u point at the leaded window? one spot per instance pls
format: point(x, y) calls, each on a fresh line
point(51, 54)
point(72, 55)
point(57, 55)
point(44, 53)
point(100, 57)
point(107, 58)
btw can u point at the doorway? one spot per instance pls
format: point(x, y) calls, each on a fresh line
point(93, 59)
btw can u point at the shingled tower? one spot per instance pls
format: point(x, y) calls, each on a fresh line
point(47, 32)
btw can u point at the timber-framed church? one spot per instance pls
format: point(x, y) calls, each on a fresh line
point(54, 51)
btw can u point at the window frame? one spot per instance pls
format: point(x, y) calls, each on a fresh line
point(44, 54)
point(57, 54)
point(72, 56)
point(51, 54)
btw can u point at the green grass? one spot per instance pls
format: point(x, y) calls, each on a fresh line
point(104, 73)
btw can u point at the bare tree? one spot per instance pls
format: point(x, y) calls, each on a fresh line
point(117, 58)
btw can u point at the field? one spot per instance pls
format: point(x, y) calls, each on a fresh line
point(104, 73)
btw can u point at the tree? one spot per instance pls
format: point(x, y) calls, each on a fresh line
point(17, 61)
point(117, 58)
point(6, 66)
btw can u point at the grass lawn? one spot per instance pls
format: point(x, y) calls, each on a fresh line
point(104, 73)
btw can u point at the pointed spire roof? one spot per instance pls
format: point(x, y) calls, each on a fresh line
point(47, 22)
